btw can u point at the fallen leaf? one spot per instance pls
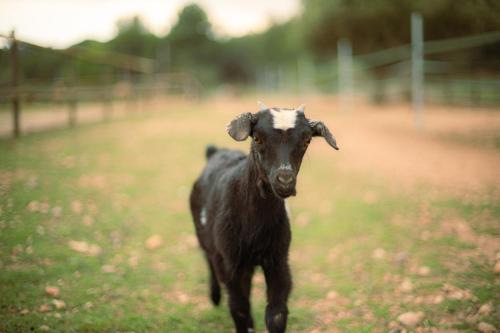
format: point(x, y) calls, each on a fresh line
point(332, 295)
point(108, 269)
point(424, 271)
point(24, 311)
point(52, 291)
point(411, 319)
point(133, 261)
point(57, 211)
point(83, 247)
point(406, 286)
point(40, 230)
point(34, 206)
point(78, 246)
point(316, 330)
point(44, 208)
point(182, 297)
point(76, 206)
point(154, 242)
point(58, 304)
point(44, 328)
point(425, 235)
point(485, 309)
point(496, 269)
point(159, 266)
point(88, 220)
point(378, 253)
point(486, 328)
point(401, 258)
point(32, 182)
point(438, 299)
point(44, 308)
point(456, 293)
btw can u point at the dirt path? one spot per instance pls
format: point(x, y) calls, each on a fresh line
point(458, 149)
point(455, 151)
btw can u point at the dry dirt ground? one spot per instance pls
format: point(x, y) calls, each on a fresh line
point(457, 149)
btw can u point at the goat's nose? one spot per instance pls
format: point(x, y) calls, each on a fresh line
point(285, 178)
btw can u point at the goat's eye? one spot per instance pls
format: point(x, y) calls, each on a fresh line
point(257, 140)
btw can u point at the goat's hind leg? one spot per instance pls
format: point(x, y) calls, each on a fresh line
point(215, 293)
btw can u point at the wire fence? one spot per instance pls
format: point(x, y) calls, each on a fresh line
point(420, 72)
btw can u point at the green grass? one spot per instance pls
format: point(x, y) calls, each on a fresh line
point(132, 179)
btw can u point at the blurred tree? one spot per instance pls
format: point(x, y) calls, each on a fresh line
point(374, 25)
point(191, 46)
point(134, 38)
point(279, 46)
point(190, 41)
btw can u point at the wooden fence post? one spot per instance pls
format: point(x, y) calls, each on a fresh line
point(417, 68)
point(72, 110)
point(16, 101)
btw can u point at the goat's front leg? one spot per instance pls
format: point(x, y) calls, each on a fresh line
point(239, 300)
point(279, 285)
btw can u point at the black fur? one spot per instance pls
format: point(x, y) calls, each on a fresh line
point(239, 214)
point(210, 150)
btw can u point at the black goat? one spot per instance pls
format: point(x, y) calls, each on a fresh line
point(239, 213)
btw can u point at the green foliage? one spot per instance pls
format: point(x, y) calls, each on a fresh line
point(374, 25)
point(133, 38)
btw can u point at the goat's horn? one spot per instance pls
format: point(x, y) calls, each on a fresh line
point(301, 108)
point(262, 106)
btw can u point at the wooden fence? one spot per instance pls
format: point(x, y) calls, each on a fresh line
point(145, 84)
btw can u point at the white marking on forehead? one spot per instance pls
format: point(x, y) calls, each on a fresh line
point(283, 119)
point(203, 217)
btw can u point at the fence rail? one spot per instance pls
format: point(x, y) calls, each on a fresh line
point(141, 86)
point(403, 72)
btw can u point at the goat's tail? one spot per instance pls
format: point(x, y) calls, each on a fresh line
point(210, 150)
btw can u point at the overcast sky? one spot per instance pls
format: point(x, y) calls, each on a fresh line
point(60, 23)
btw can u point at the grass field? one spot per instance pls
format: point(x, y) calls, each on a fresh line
point(398, 226)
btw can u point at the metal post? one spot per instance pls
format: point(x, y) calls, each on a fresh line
point(344, 58)
point(72, 98)
point(417, 68)
point(16, 104)
point(305, 75)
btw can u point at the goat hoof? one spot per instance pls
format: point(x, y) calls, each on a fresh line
point(276, 318)
point(215, 297)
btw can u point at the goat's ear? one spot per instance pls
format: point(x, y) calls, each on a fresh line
point(320, 129)
point(240, 127)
